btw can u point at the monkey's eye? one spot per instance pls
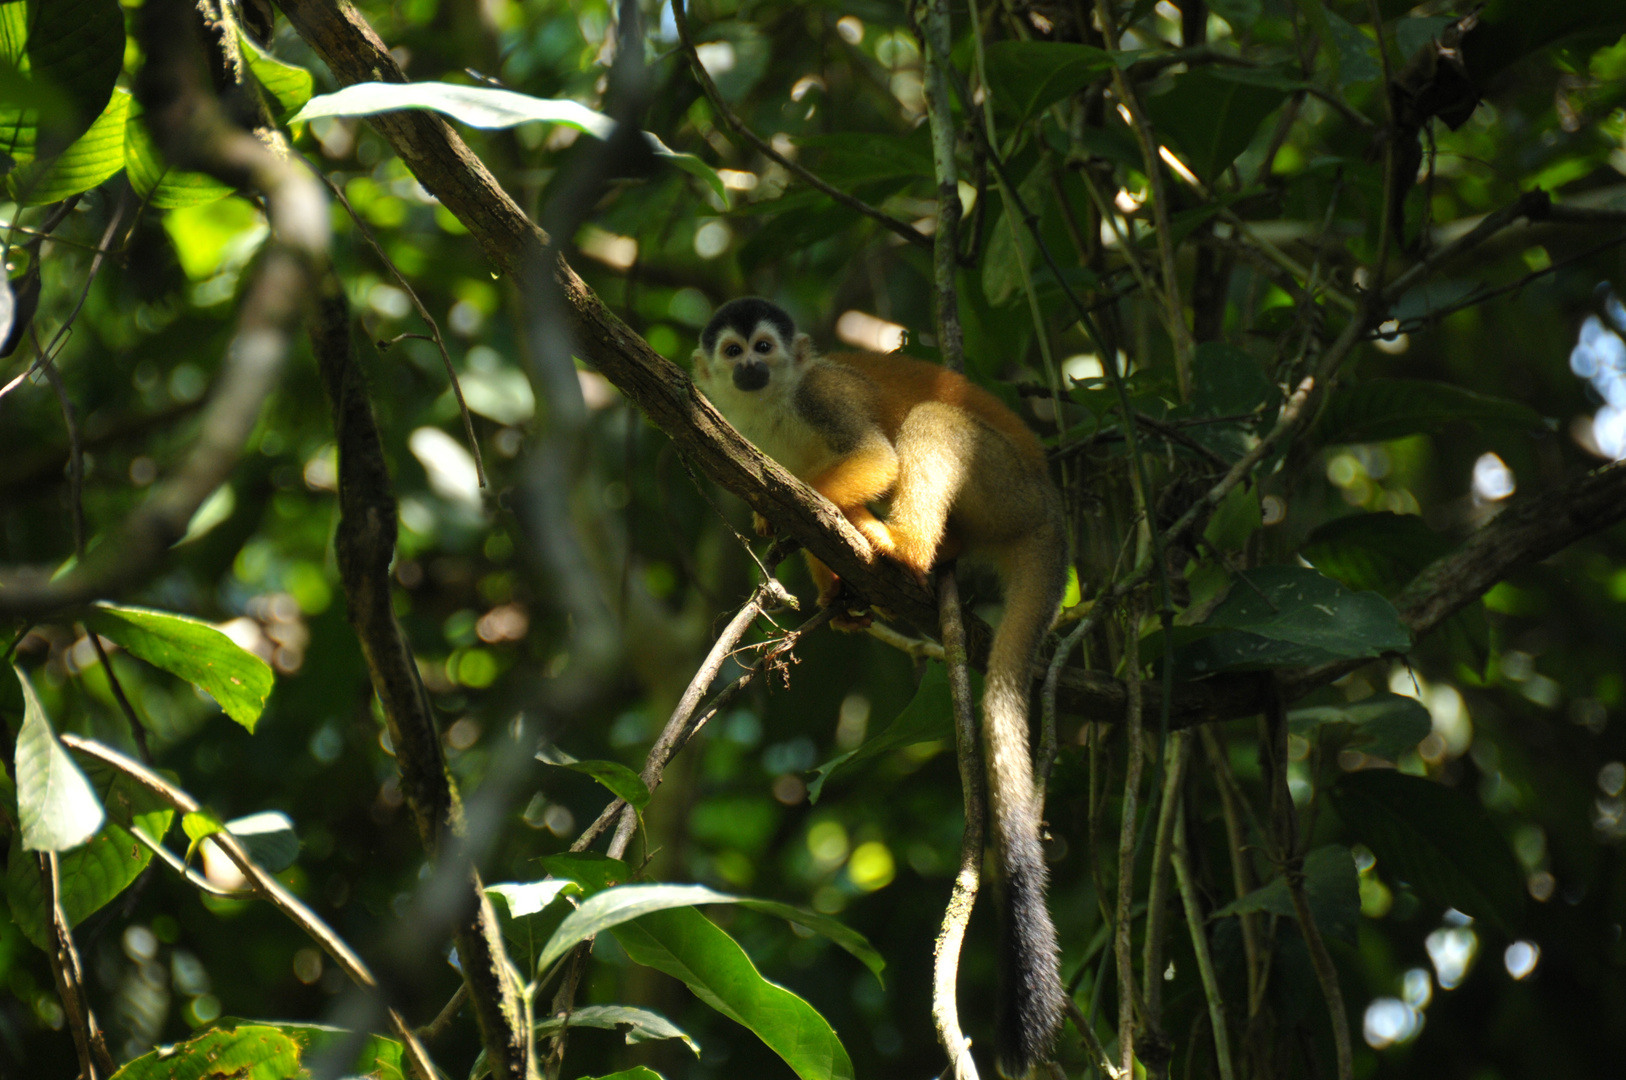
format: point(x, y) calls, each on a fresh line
point(732, 350)
point(764, 346)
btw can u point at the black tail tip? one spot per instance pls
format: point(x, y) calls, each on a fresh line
point(1031, 993)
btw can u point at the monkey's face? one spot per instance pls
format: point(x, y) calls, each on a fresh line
point(752, 361)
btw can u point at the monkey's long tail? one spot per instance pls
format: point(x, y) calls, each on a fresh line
point(1030, 994)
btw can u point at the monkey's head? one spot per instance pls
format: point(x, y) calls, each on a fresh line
point(751, 341)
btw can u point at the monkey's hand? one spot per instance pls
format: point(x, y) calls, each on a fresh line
point(762, 525)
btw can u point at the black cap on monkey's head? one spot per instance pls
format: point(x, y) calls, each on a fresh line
point(743, 316)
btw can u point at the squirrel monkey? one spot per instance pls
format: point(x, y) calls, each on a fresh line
point(959, 474)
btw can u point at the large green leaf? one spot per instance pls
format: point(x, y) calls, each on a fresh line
point(1210, 116)
point(56, 806)
point(154, 181)
point(1331, 887)
point(245, 1050)
point(686, 945)
point(1026, 76)
point(1386, 725)
point(1381, 409)
point(71, 53)
point(1277, 616)
point(93, 157)
point(487, 107)
point(1438, 840)
point(195, 651)
point(617, 905)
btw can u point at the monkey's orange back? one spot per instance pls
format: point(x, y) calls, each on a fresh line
point(904, 382)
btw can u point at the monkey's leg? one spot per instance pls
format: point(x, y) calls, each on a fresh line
point(936, 447)
point(857, 480)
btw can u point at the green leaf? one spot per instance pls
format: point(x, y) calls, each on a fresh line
point(1386, 725)
point(1227, 381)
point(620, 780)
point(71, 53)
point(56, 806)
point(90, 876)
point(642, 1025)
point(1278, 616)
point(1381, 409)
point(1011, 245)
point(686, 945)
point(928, 717)
point(245, 1050)
point(622, 903)
point(288, 84)
point(1210, 117)
point(1331, 887)
point(1241, 14)
point(637, 1072)
point(1436, 839)
point(154, 181)
point(487, 107)
point(198, 826)
point(195, 651)
point(93, 157)
point(1026, 76)
point(1384, 552)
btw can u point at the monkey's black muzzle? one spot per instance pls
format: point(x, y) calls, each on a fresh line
point(750, 375)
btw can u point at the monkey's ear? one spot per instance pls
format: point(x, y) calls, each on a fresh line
point(702, 370)
point(801, 349)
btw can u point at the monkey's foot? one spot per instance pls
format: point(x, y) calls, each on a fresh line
point(851, 613)
point(762, 525)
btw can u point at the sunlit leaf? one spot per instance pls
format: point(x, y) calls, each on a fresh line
point(686, 945)
point(238, 680)
point(56, 806)
point(488, 107)
point(70, 52)
point(93, 157)
point(246, 1050)
point(154, 181)
point(928, 717)
point(290, 86)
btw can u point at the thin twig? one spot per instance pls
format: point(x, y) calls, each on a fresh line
point(1134, 760)
point(95, 1062)
point(1174, 771)
point(1199, 946)
point(946, 239)
point(963, 896)
point(765, 148)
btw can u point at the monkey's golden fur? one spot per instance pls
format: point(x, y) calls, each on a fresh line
point(959, 475)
